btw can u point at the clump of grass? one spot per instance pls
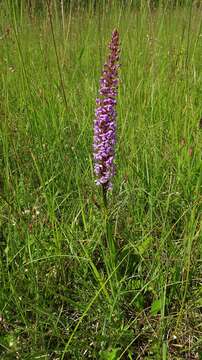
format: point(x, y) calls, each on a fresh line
point(62, 295)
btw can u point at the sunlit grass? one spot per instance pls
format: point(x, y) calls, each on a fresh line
point(62, 295)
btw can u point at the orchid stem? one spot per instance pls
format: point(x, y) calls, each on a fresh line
point(104, 193)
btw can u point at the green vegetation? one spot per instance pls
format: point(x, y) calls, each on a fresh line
point(77, 282)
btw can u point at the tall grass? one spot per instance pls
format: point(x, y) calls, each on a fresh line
point(66, 293)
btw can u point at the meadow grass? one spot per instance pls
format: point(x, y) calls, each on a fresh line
point(69, 288)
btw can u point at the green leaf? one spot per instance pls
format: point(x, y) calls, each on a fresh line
point(109, 354)
point(144, 245)
point(156, 307)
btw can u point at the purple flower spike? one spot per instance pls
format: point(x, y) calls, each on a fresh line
point(105, 120)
